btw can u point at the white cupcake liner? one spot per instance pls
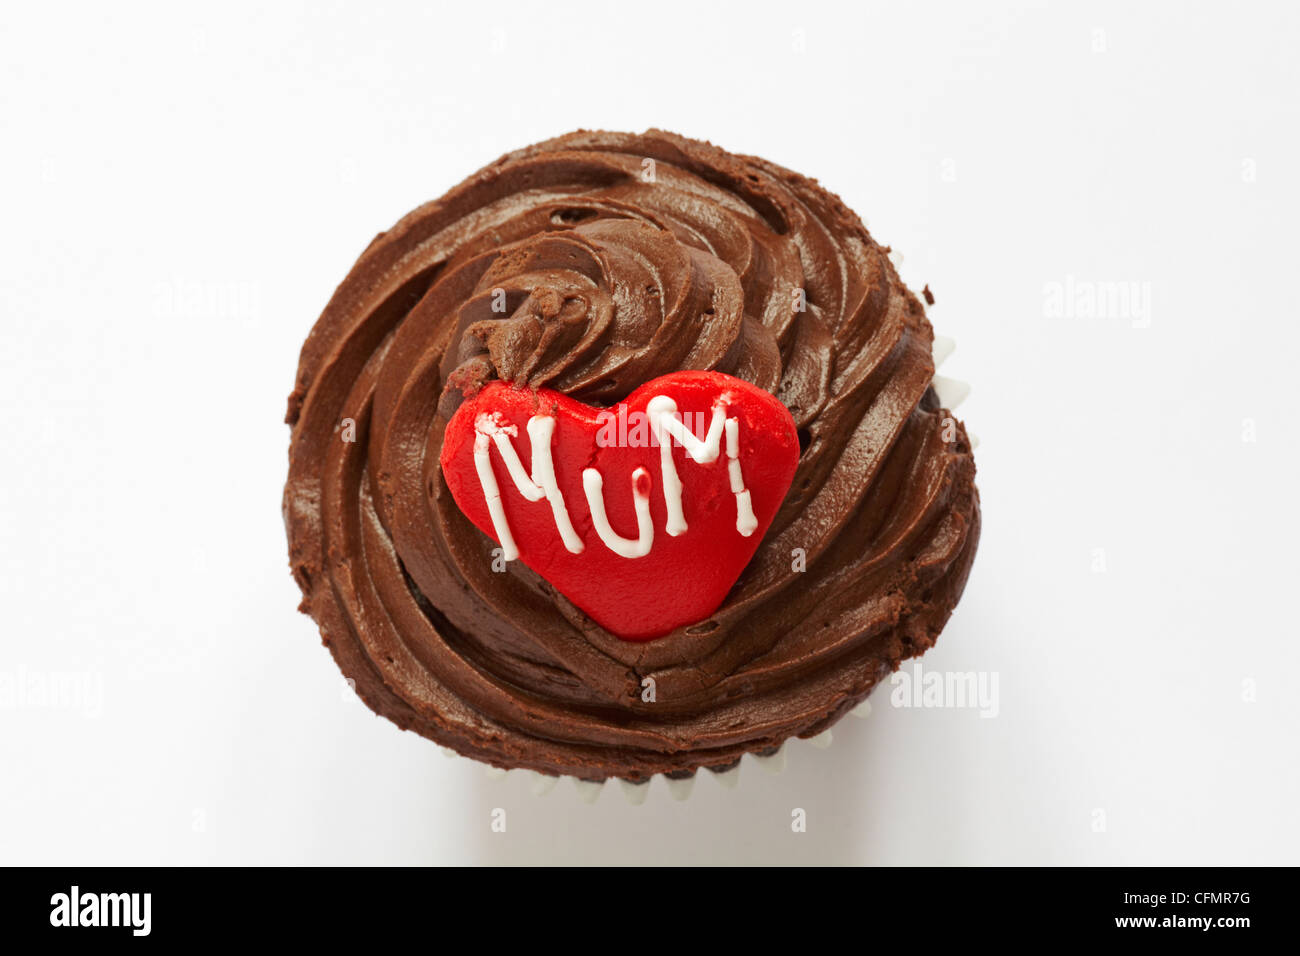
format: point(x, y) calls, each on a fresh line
point(679, 788)
point(952, 392)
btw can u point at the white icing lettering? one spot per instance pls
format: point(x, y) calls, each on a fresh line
point(638, 547)
point(666, 426)
point(541, 485)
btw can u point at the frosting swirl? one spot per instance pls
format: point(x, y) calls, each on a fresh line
point(591, 264)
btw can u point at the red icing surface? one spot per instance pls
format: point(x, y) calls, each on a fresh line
point(684, 578)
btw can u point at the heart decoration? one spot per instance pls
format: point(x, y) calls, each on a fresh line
point(644, 514)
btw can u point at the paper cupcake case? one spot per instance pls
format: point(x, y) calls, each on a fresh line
point(952, 392)
point(679, 788)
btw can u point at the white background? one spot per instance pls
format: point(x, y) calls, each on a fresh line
point(183, 190)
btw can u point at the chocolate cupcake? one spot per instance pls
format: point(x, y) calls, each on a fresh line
point(746, 505)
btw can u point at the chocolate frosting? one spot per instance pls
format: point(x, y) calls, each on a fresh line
point(590, 264)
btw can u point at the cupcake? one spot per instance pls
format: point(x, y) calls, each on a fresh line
point(624, 458)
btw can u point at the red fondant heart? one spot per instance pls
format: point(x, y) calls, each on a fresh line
point(633, 591)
